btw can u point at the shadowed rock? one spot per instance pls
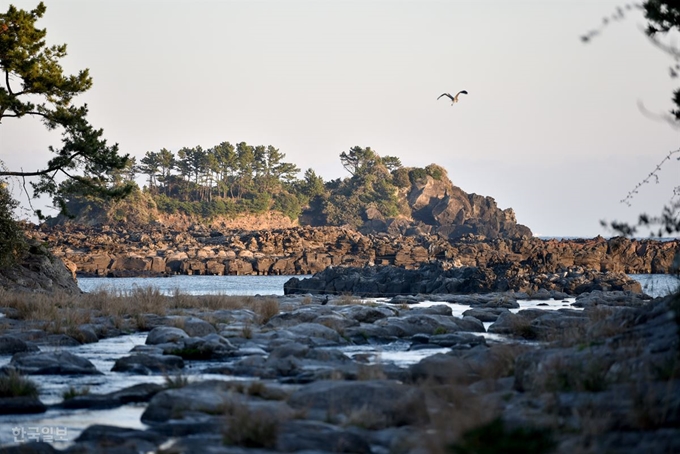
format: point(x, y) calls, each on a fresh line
point(52, 363)
point(385, 403)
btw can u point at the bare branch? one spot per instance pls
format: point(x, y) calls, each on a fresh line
point(653, 176)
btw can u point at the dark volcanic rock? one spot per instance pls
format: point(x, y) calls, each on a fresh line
point(433, 278)
point(144, 364)
point(21, 405)
point(53, 363)
point(10, 345)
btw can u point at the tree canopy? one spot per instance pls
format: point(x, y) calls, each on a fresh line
point(34, 85)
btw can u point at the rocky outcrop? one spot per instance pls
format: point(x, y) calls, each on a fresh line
point(39, 270)
point(439, 207)
point(157, 250)
point(433, 278)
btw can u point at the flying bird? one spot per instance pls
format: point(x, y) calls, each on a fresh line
point(454, 99)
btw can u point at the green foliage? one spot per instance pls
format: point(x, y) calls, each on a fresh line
point(15, 385)
point(73, 392)
point(192, 353)
point(13, 242)
point(417, 175)
point(435, 171)
point(287, 204)
point(35, 86)
point(494, 437)
point(400, 178)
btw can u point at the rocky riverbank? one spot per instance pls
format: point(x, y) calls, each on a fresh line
point(600, 376)
point(157, 249)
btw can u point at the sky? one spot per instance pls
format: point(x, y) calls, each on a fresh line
point(556, 129)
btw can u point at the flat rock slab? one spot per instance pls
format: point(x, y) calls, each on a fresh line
point(21, 405)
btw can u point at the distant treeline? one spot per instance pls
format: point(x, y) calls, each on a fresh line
point(229, 180)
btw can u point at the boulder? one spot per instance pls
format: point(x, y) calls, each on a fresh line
point(165, 335)
point(52, 363)
point(381, 403)
point(10, 345)
point(144, 364)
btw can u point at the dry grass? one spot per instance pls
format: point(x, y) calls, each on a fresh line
point(250, 427)
point(370, 372)
point(346, 299)
point(366, 418)
point(15, 385)
point(59, 313)
point(454, 410)
point(266, 309)
point(176, 381)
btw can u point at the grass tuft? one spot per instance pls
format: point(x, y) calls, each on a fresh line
point(16, 385)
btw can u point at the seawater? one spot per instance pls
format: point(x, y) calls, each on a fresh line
point(191, 285)
point(653, 284)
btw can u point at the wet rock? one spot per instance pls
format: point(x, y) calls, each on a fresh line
point(143, 364)
point(485, 314)
point(52, 363)
point(142, 392)
point(212, 346)
point(165, 335)
point(21, 405)
point(411, 325)
point(454, 340)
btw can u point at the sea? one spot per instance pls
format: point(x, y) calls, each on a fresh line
point(654, 285)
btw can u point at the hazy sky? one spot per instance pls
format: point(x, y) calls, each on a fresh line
point(551, 126)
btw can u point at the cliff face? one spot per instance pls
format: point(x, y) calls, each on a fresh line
point(442, 208)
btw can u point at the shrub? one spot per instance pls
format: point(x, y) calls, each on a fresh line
point(13, 242)
point(15, 385)
point(417, 175)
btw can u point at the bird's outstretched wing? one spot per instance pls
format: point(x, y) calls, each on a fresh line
point(447, 95)
point(462, 91)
